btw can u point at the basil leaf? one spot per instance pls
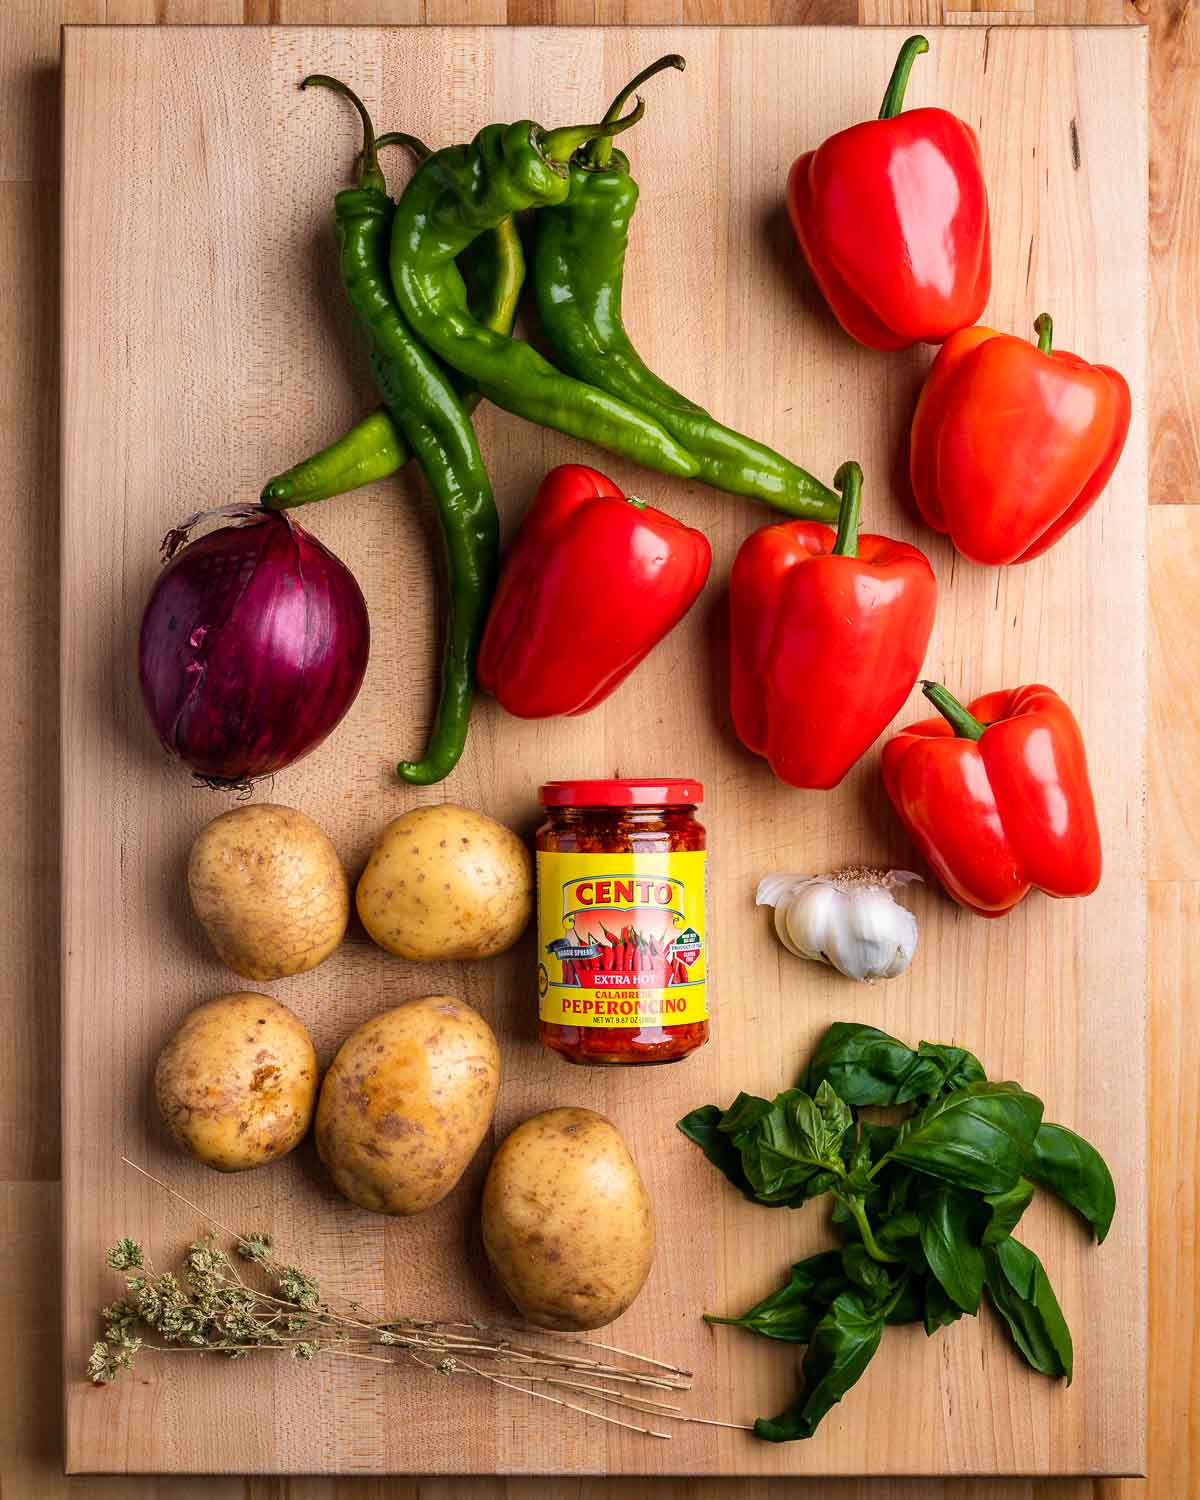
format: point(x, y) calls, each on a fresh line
point(903, 1300)
point(953, 1256)
point(776, 1152)
point(897, 1183)
point(839, 1350)
point(878, 1139)
point(798, 1306)
point(779, 1180)
point(863, 1272)
point(978, 1137)
point(821, 1121)
point(903, 1229)
point(859, 1163)
point(909, 1305)
point(703, 1127)
point(744, 1113)
point(821, 1182)
point(1020, 1291)
point(867, 1066)
point(833, 1109)
point(939, 1311)
point(1007, 1208)
point(958, 1066)
point(1073, 1169)
point(785, 1144)
point(841, 1221)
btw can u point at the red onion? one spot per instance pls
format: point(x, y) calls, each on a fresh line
point(253, 645)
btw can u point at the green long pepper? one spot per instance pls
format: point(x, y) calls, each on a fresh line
point(459, 194)
point(369, 451)
point(424, 405)
point(578, 273)
point(373, 449)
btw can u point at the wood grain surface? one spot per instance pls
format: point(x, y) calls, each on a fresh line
point(30, 1431)
point(1053, 995)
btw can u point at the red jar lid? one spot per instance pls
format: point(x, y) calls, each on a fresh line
point(642, 791)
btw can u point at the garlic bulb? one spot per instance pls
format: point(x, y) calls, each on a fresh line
point(849, 920)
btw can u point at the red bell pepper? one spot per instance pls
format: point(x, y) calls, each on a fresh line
point(593, 581)
point(996, 797)
point(1012, 444)
point(892, 217)
point(827, 637)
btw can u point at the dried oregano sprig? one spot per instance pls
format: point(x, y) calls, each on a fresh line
point(210, 1307)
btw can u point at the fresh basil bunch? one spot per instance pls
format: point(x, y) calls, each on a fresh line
point(925, 1210)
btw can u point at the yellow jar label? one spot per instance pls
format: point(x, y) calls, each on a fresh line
point(621, 939)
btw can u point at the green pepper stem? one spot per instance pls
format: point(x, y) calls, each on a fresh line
point(600, 150)
point(848, 482)
point(561, 145)
point(893, 100)
point(964, 723)
point(1043, 326)
point(369, 175)
point(401, 138)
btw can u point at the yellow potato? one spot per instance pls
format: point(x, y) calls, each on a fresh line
point(236, 1083)
point(269, 889)
point(406, 1102)
point(446, 882)
point(567, 1222)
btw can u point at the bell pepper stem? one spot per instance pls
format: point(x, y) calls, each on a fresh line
point(893, 100)
point(964, 723)
point(402, 138)
point(600, 150)
point(561, 145)
point(1043, 326)
point(369, 175)
point(848, 482)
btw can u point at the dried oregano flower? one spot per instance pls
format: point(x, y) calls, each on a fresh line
point(124, 1255)
point(254, 1246)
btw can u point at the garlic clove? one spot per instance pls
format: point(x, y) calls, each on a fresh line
point(882, 935)
point(781, 929)
point(777, 891)
point(773, 888)
point(812, 920)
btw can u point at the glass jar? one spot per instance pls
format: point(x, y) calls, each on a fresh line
point(621, 937)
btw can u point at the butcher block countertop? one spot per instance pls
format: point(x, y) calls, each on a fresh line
point(31, 1447)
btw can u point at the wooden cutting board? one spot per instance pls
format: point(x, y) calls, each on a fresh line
point(206, 345)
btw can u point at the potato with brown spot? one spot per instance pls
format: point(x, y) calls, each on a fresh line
point(446, 882)
point(236, 1082)
point(269, 890)
point(406, 1102)
point(567, 1221)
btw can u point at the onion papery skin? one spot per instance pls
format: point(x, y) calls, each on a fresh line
point(253, 646)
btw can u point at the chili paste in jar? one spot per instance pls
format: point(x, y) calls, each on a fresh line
point(621, 937)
